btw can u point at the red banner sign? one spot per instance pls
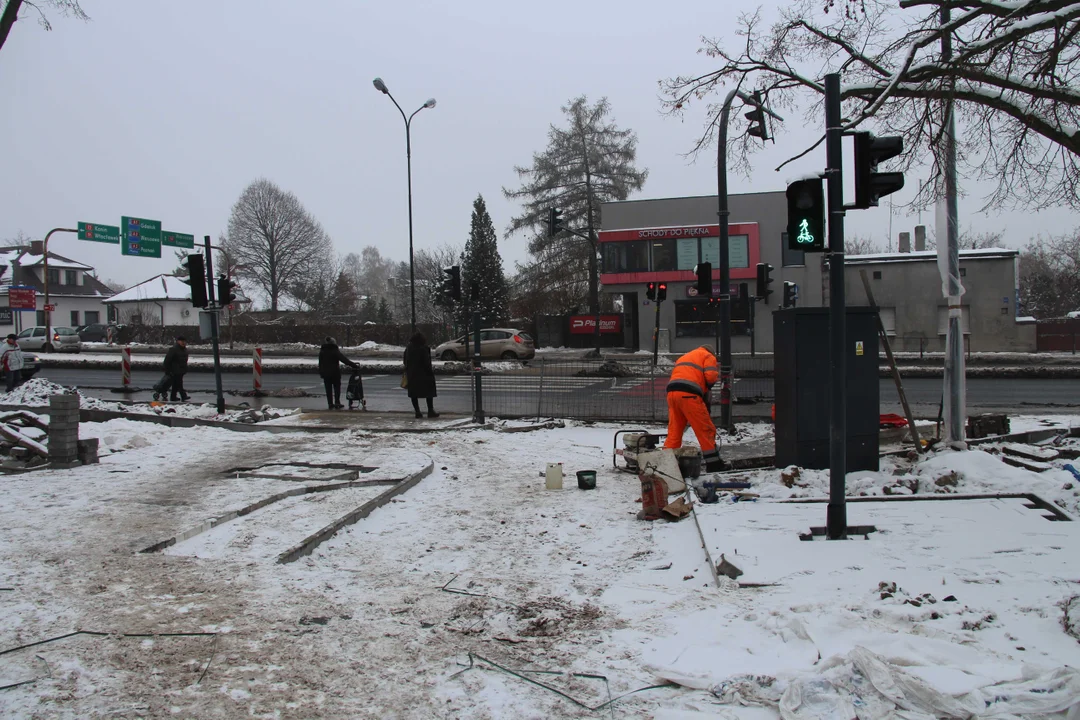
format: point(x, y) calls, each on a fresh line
point(22, 298)
point(586, 324)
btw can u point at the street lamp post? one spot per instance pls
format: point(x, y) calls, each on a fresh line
point(381, 87)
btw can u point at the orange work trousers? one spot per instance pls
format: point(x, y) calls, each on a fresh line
point(684, 408)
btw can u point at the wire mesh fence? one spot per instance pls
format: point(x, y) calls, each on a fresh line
point(606, 389)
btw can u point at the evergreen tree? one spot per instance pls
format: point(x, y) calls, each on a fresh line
point(483, 285)
point(385, 317)
point(368, 310)
point(344, 298)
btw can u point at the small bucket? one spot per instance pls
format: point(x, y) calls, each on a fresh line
point(689, 465)
point(586, 479)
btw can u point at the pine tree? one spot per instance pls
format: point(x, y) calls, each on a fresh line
point(483, 285)
point(385, 317)
point(368, 310)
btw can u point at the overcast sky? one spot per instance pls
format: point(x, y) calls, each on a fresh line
point(167, 110)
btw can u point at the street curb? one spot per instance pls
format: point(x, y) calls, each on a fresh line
point(313, 541)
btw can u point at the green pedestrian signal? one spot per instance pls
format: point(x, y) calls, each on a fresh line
point(806, 215)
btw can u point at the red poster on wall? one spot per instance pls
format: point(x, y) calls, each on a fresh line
point(586, 324)
point(22, 298)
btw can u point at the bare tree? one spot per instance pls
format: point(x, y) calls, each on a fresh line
point(428, 266)
point(584, 165)
point(274, 241)
point(1014, 75)
point(859, 245)
point(1050, 276)
point(17, 9)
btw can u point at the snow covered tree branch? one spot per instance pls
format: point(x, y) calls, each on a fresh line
point(1013, 75)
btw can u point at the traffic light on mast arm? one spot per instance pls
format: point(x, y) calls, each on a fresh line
point(554, 222)
point(806, 215)
point(870, 186)
point(196, 279)
point(225, 291)
point(764, 277)
point(756, 116)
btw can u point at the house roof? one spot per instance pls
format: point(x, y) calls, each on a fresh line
point(927, 256)
point(157, 288)
point(15, 264)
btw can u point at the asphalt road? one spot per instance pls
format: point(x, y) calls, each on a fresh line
point(519, 394)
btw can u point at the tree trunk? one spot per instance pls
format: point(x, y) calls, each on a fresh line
point(11, 14)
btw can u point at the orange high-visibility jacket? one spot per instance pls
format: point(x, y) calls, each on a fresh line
point(695, 372)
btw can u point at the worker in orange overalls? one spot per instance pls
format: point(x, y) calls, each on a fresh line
point(688, 401)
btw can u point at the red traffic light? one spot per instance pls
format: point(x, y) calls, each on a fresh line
point(650, 291)
point(661, 292)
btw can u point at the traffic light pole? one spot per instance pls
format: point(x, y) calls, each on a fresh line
point(656, 336)
point(836, 521)
point(478, 413)
point(210, 290)
point(724, 331)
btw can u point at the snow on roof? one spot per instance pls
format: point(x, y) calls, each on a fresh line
point(55, 261)
point(160, 287)
point(928, 255)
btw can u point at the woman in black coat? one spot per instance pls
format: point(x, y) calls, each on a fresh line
point(420, 378)
point(330, 359)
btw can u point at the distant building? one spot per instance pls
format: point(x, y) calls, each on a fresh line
point(161, 300)
point(73, 289)
point(662, 240)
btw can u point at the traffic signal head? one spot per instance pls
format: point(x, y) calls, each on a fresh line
point(806, 215)
point(650, 291)
point(450, 286)
point(791, 293)
point(871, 185)
point(225, 288)
point(555, 222)
point(661, 292)
point(196, 279)
point(704, 279)
point(756, 116)
point(764, 277)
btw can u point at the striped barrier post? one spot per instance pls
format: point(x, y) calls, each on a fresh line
point(126, 363)
point(256, 368)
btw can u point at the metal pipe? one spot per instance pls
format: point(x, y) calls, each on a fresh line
point(725, 271)
point(45, 278)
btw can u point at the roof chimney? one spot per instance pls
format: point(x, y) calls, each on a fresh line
point(905, 242)
point(37, 247)
point(920, 238)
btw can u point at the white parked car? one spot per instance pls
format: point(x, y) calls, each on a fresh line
point(64, 339)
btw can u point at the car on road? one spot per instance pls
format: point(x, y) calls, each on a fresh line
point(503, 343)
point(97, 332)
point(31, 365)
point(64, 339)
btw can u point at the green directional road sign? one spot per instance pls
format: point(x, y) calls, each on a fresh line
point(175, 239)
point(140, 237)
point(99, 233)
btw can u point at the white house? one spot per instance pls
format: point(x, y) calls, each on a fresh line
point(73, 289)
point(161, 300)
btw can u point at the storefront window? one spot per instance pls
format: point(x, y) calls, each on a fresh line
point(687, 252)
point(738, 251)
point(663, 255)
point(695, 318)
point(621, 257)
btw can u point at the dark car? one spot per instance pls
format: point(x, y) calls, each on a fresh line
point(97, 332)
point(31, 364)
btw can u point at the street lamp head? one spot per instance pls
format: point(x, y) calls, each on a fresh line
point(430, 103)
point(380, 86)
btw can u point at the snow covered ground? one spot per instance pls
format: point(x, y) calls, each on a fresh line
point(478, 593)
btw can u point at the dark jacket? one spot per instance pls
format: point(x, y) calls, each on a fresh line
point(330, 360)
point(418, 371)
point(175, 360)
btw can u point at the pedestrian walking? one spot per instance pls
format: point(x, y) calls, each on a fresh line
point(330, 362)
point(688, 389)
point(12, 362)
point(175, 367)
point(419, 377)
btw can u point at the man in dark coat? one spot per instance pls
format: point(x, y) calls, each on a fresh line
point(330, 360)
point(420, 378)
point(175, 366)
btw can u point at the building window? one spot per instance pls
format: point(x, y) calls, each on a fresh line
point(791, 258)
point(738, 251)
point(963, 272)
point(623, 257)
point(74, 318)
point(664, 256)
point(888, 320)
point(54, 276)
point(686, 250)
point(877, 274)
point(92, 317)
point(71, 277)
point(695, 318)
point(40, 317)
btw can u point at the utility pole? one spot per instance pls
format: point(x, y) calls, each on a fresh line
point(836, 519)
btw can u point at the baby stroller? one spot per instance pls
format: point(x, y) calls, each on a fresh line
point(355, 390)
